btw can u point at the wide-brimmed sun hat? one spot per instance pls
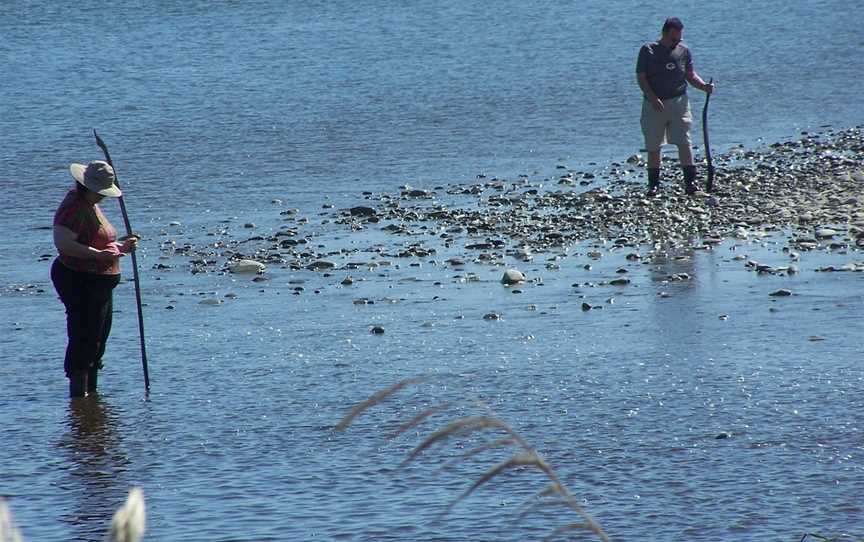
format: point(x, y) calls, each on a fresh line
point(96, 176)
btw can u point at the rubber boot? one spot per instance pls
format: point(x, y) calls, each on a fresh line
point(689, 179)
point(653, 180)
point(78, 384)
point(92, 380)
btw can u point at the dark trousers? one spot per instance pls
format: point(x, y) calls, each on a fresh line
point(88, 301)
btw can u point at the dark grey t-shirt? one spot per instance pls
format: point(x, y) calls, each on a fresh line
point(666, 69)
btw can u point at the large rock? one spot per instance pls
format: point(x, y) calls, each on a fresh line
point(246, 267)
point(512, 276)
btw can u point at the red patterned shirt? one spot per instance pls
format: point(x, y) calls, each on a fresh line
point(92, 229)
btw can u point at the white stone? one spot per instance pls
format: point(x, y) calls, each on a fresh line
point(246, 267)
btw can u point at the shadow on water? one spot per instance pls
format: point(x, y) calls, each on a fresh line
point(96, 462)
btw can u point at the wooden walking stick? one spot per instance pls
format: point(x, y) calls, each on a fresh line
point(709, 186)
point(134, 265)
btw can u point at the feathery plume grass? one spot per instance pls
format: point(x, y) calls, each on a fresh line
point(126, 526)
point(8, 531)
point(466, 426)
point(129, 521)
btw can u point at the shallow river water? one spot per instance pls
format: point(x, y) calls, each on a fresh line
point(212, 110)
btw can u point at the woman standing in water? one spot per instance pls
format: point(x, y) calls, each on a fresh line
point(86, 271)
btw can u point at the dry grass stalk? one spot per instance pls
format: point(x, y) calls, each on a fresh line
point(8, 531)
point(542, 505)
point(500, 443)
point(375, 399)
point(567, 528)
point(461, 427)
point(129, 521)
point(539, 500)
point(468, 425)
point(418, 419)
point(524, 459)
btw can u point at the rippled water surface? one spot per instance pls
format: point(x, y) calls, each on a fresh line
point(213, 109)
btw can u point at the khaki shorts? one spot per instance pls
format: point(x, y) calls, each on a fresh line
point(672, 124)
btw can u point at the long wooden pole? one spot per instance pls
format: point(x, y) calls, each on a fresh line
point(134, 265)
point(709, 186)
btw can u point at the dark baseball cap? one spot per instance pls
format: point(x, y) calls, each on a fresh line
point(672, 22)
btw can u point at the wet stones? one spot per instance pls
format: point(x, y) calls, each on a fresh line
point(362, 211)
point(417, 193)
point(321, 265)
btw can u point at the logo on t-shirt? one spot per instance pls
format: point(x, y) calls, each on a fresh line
point(671, 66)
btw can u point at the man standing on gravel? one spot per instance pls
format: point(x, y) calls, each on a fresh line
point(663, 69)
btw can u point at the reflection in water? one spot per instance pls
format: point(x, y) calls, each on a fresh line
point(683, 306)
point(96, 467)
point(673, 270)
point(668, 264)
